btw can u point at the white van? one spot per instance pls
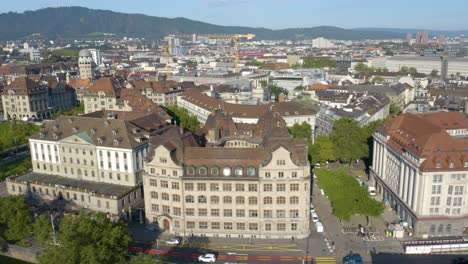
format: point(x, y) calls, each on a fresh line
point(371, 190)
point(319, 227)
point(314, 217)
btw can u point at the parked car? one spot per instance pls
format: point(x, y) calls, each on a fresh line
point(372, 191)
point(319, 227)
point(315, 218)
point(207, 258)
point(353, 259)
point(312, 208)
point(174, 241)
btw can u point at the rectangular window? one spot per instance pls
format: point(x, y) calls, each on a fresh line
point(267, 213)
point(227, 213)
point(153, 182)
point(240, 226)
point(435, 200)
point(189, 186)
point(267, 175)
point(190, 224)
point(281, 227)
point(457, 201)
point(437, 178)
point(252, 187)
point(164, 184)
point(166, 209)
point(253, 226)
point(215, 212)
point(450, 189)
point(293, 174)
point(281, 187)
point(268, 227)
point(240, 213)
point(294, 213)
point(227, 226)
point(436, 189)
point(177, 211)
point(449, 201)
point(294, 227)
point(280, 162)
point(203, 225)
point(239, 187)
point(227, 187)
point(154, 207)
point(280, 213)
point(215, 225)
point(253, 213)
point(294, 187)
point(280, 174)
point(458, 190)
point(189, 211)
point(268, 187)
point(175, 186)
point(214, 186)
point(202, 212)
point(201, 186)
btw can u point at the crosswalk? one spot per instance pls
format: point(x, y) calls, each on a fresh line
point(375, 238)
point(324, 260)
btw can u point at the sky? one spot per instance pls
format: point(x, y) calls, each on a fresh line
point(278, 14)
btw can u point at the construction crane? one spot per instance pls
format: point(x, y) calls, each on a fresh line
point(167, 56)
point(235, 37)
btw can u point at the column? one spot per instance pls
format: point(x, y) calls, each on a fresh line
point(409, 195)
point(374, 154)
point(404, 180)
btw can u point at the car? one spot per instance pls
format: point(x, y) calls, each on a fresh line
point(352, 259)
point(317, 165)
point(207, 258)
point(174, 241)
point(315, 218)
point(312, 208)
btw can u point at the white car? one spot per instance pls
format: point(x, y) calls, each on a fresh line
point(173, 241)
point(207, 258)
point(315, 218)
point(312, 208)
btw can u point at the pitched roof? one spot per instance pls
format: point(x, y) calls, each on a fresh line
point(23, 85)
point(108, 85)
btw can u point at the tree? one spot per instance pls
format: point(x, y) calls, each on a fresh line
point(322, 150)
point(361, 67)
point(15, 218)
point(349, 140)
point(319, 63)
point(276, 91)
point(394, 110)
point(303, 130)
point(412, 70)
point(389, 52)
point(182, 117)
point(434, 73)
point(378, 79)
point(254, 63)
point(43, 229)
point(88, 239)
point(300, 88)
point(143, 258)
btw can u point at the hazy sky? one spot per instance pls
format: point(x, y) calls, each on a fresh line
point(427, 14)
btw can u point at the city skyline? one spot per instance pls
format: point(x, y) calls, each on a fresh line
point(274, 15)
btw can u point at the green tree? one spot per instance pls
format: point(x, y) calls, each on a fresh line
point(412, 70)
point(300, 88)
point(389, 52)
point(361, 67)
point(15, 218)
point(303, 130)
point(394, 110)
point(88, 239)
point(404, 69)
point(276, 91)
point(143, 258)
point(318, 63)
point(182, 117)
point(434, 73)
point(322, 150)
point(254, 63)
point(378, 79)
point(43, 229)
point(349, 140)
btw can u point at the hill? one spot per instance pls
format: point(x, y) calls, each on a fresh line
point(70, 22)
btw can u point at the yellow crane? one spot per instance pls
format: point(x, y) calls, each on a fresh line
point(167, 56)
point(235, 37)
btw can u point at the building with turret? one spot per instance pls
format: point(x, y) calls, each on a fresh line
point(86, 64)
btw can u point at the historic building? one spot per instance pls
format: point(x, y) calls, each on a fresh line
point(86, 64)
point(91, 161)
point(420, 166)
point(240, 180)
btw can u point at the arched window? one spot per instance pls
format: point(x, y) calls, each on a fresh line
point(215, 171)
point(189, 199)
point(227, 199)
point(294, 200)
point(281, 200)
point(227, 171)
point(267, 200)
point(214, 200)
point(240, 200)
point(191, 170)
point(253, 200)
point(202, 170)
point(250, 171)
point(202, 199)
point(239, 171)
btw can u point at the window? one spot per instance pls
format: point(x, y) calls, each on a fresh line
point(227, 212)
point(202, 199)
point(215, 225)
point(202, 170)
point(435, 200)
point(201, 186)
point(458, 190)
point(164, 184)
point(294, 174)
point(227, 187)
point(268, 187)
point(227, 200)
point(432, 229)
point(281, 187)
point(165, 196)
point(228, 226)
point(189, 199)
point(250, 171)
point(267, 200)
point(177, 211)
point(190, 224)
point(436, 189)
point(214, 186)
point(252, 187)
point(294, 200)
point(215, 212)
point(281, 200)
point(227, 171)
point(190, 170)
point(253, 200)
point(203, 225)
point(267, 175)
point(448, 228)
point(281, 227)
point(253, 226)
point(154, 195)
point(437, 178)
point(176, 198)
point(240, 200)
point(294, 227)
point(267, 213)
point(239, 187)
point(202, 212)
point(253, 213)
point(154, 207)
point(175, 186)
point(280, 174)
point(457, 201)
point(449, 201)
point(440, 229)
point(280, 162)
point(214, 200)
point(280, 213)
point(215, 171)
point(189, 186)
point(166, 209)
point(240, 226)
point(267, 227)
point(239, 171)
point(240, 213)
point(162, 160)
point(294, 187)
point(294, 213)
point(189, 211)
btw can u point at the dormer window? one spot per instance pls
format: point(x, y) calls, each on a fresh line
point(465, 164)
point(451, 165)
point(93, 131)
point(114, 132)
point(438, 165)
point(116, 142)
point(41, 135)
point(75, 129)
point(55, 136)
point(99, 140)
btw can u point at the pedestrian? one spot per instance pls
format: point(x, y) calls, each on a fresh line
point(292, 238)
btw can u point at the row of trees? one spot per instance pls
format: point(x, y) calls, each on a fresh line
point(351, 199)
point(182, 116)
point(361, 67)
point(318, 63)
point(72, 112)
point(15, 131)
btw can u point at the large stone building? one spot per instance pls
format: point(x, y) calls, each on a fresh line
point(25, 98)
point(161, 93)
point(420, 166)
point(246, 181)
point(86, 64)
point(92, 162)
